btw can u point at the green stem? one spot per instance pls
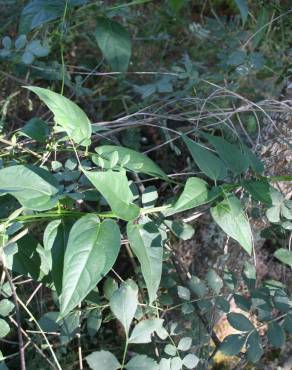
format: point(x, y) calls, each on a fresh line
point(125, 353)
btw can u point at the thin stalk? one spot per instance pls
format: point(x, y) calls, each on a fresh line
point(125, 353)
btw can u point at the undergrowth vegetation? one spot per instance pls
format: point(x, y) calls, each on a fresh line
point(122, 126)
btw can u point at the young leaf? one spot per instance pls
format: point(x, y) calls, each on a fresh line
point(176, 363)
point(124, 303)
point(133, 161)
point(209, 163)
point(164, 364)
point(184, 344)
point(146, 243)
point(142, 331)
point(195, 193)
point(4, 328)
point(102, 360)
point(35, 188)
point(91, 251)
point(115, 43)
point(114, 187)
point(254, 349)
point(284, 255)
point(232, 344)
point(231, 218)
point(66, 114)
point(239, 322)
point(142, 362)
point(190, 361)
point(6, 307)
point(183, 293)
point(276, 334)
point(170, 349)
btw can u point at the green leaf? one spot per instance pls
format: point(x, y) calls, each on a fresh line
point(48, 322)
point(190, 361)
point(183, 293)
point(142, 362)
point(259, 190)
point(91, 251)
point(242, 302)
point(109, 286)
point(143, 330)
point(239, 322)
point(195, 193)
point(284, 255)
point(124, 303)
point(287, 325)
point(180, 229)
point(176, 5)
point(255, 163)
point(39, 12)
point(23, 258)
point(66, 114)
point(69, 327)
point(93, 322)
point(210, 164)
point(129, 159)
point(243, 8)
point(214, 281)
point(249, 275)
point(4, 328)
point(54, 241)
point(184, 344)
point(170, 349)
point(254, 349)
point(164, 364)
point(235, 159)
point(146, 243)
point(20, 42)
point(102, 360)
point(231, 218)
point(176, 363)
point(36, 129)
point(276, 334)
point(114, 187)
point(222, 304)
point(6, 307)
point(115, 43)
point(35, 189)
point(232, 344)
point(197, 286)
point(281, 301)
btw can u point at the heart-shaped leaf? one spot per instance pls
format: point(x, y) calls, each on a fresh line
point(91, 251)
point(66, 114)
